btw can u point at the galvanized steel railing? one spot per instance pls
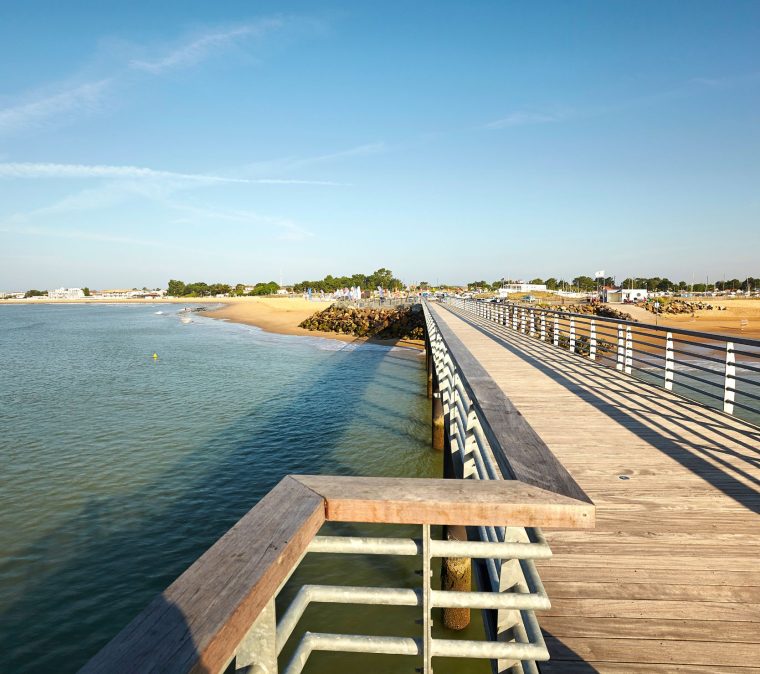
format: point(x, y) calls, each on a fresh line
point(221, 612)
point(474, 460)
point(710, 368)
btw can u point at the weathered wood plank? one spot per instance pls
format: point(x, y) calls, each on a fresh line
point(633, 628)
point(655, 651)
point(430, 501)
point(198, 621)
point(668, 581)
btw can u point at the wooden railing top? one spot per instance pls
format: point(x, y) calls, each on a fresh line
point(197, 623)
point(518, 449)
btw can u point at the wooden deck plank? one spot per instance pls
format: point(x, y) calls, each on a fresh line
point(670, 576)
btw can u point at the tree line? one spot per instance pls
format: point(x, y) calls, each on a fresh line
point(382, 278)
point(652, 284)
point(202, 289)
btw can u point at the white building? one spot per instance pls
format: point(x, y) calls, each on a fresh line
point(66, 294)
point(521, 288)
point(620, 295)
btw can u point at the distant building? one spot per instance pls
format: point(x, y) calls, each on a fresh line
point(118, 293)
point(620, 295)
point(12, 296)
point(66, 294)
point(521, 288)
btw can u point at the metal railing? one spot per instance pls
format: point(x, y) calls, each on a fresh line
point(473, 458)
point(220, 615)
point(720, 371)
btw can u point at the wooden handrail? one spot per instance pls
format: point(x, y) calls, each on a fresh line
point(517, 448)
point(197, 623)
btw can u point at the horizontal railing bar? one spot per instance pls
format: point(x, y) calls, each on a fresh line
point(489, 600)
point(717, 384)
point(488, 550)
point(492, 650)
point(711, 359)
point(332, 594)
point(698, 390)
point(362, 545)
point(350, 643)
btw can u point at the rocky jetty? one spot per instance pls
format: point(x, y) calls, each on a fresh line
point(594, 310)
point(396, 323)
point(678, 306)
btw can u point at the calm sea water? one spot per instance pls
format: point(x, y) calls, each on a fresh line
point(118, 471)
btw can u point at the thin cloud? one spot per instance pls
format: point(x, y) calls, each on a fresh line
point(522, 118)
point(201, 48)
point(286, 164)
point(82, 99)
point(288, 230)
point(80, 235)
point(45, 170)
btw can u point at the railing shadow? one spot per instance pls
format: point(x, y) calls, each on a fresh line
point(147, 537)
point(644, 415)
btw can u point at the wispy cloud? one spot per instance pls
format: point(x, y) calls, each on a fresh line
point(287, 164)
point(80, 235)
point(200, 48)
point(522, 118)
point(287, 229)
point(693, 87)
point(43, 170)
point(66, 101)
point(84, 98)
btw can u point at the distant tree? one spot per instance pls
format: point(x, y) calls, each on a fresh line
point(269, 288)
point(86, 291)
point(35, 293)
point(424, 285)
point(551, 283)
point(584, 283)
point(478, 284)
point(176, 288)
point(537, 281)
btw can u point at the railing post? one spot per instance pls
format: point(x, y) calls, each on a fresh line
point(257, 653)
point(543, 326)
point(572, 335)
point(532, 322)
point(628, 350)
point(523, 320)
point(620, 349)
point(729, 382)
point(556, 330)
point(427, 622)
point(669, 361)
point(592, 341)
point(514, 317)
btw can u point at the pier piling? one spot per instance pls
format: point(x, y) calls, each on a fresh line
point(456, 576)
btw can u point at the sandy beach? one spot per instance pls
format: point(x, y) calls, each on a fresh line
point(741, 317)
point(283, 315)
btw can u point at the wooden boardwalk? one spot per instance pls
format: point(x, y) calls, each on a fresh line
point(669, 581)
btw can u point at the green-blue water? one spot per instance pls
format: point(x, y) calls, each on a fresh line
point(117, 471)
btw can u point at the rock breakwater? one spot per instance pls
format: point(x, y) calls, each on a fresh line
point(396, 323)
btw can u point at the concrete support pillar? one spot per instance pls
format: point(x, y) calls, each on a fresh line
point(456, 576)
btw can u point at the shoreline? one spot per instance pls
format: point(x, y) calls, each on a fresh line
point(283, 315)
point(278, 315)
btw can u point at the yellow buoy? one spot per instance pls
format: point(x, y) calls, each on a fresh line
point(155, 356)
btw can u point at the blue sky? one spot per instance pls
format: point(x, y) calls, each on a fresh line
point(447, 141)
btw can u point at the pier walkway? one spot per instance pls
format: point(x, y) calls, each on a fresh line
point(669, 580)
